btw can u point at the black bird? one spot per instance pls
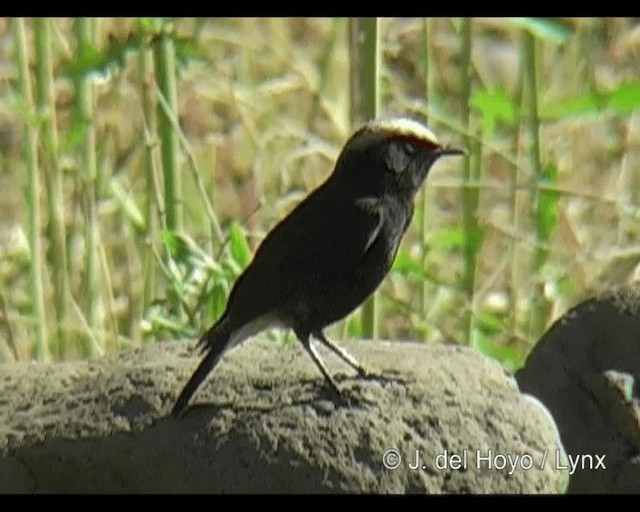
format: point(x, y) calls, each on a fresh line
point(333, 250)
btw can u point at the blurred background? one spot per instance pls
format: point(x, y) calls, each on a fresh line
point(142, 161)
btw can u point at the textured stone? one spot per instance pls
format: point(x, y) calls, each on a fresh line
point(264, 422)
point(586, 370)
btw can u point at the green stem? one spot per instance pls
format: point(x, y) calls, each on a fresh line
point(540, 306)
point(470, 192)
point(36, 270)
point(215, 228)
point(364, 43)
point(165, 68)
point(53, 176)
point(152, 198)
point(427, 66)
point(84, 99)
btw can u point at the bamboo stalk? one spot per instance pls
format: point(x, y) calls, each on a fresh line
point(540, 307)
point(165, 69)
point(428, 72)
point(364, 44)
point(470, 176)
point(30, 150)
point(153, 200)
point(89, 171)
point(45, 99)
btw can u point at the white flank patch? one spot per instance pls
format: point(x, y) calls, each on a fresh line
point(262, 323)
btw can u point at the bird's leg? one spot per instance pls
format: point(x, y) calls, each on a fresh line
point(342, 353)
point(305, 339)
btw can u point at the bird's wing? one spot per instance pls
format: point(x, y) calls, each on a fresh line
point(310, 247)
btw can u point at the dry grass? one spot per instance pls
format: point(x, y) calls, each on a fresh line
point(264, 108)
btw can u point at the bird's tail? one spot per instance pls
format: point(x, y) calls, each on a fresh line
point(216, 342)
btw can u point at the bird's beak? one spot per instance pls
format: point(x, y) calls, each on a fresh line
point(445, 151)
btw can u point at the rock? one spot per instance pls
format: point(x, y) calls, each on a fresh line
point(586, 370)
point(264, 422)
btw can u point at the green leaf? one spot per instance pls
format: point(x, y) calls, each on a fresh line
point(495, 107)
point(547, 29)
point(239, 246)
point(489, 323)
point(444, 239)
point(176, 245)
point(216, 301)
point(625, 99)
point(87, 59)
point(182, 249)
point(90, 59)
point(589, 103)
point(447, 238)
point(161, 321)
point(145, 25)
point(507, 355)
point(187, 51)
point(405, 264)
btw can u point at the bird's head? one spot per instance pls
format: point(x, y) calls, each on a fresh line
point(390, 155)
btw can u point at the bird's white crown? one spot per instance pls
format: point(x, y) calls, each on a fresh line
point(404, 126)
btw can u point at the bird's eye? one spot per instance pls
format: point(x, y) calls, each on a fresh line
point(410, 149)
point(399, 155)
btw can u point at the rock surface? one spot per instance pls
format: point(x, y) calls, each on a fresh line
point(586, 370)
point(263, 422)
